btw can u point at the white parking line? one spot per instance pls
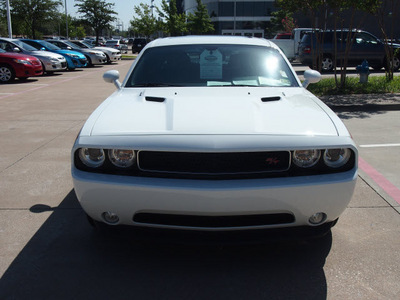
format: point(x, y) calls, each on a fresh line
point(34, 84)
point(379, 145)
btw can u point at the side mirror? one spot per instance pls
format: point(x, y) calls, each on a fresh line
point(43, 49)
point(16, 49)
point(69, 48)
point(112, 77)
point(311, 76)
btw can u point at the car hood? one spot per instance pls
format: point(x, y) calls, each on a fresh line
point(80, 55)
point(211, 110)
point(108, 49)
point(44, 54)
point(13, 55)
point(89, 51)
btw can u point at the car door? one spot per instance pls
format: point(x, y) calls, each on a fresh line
point(367, 47)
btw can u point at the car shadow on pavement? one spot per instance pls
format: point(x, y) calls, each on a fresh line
point(68, 259)
point(18, 81)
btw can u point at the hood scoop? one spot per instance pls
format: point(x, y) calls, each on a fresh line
point(154, 99)
point(270, 99)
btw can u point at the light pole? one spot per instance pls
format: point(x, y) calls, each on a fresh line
point(66, 19)
point(9, 19)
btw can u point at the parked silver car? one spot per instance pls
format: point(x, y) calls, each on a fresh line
point(94, 57)
point(111, 53)
point(51, 62)
point(116, 44)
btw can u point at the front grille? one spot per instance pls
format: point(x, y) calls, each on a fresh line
point(64, 65)
point(213, 163)
point(213, 221)
point(83, 61)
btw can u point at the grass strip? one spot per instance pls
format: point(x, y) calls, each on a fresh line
point(375, 85)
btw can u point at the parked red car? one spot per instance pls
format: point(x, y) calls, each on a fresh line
point(22, 66)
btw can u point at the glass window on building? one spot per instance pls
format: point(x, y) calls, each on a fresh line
point(225, 9)
point(254, 9)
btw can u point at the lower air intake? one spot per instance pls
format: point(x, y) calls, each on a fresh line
point(213, 221)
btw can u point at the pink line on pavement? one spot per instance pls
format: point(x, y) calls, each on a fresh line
point(385, 184)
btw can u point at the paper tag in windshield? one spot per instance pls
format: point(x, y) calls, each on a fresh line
point(211, 64)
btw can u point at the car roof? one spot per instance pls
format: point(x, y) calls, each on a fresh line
point(213, 39)
point(8, 39)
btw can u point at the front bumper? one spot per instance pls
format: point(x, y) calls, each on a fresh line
point(51, 66)
point(24, 71)
point(128, 196)
point(98, 60)
point(76, 62)
point(114, 56)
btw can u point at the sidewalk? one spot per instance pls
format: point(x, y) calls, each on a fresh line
point(363, 101)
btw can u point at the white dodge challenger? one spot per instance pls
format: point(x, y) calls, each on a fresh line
point(214, 133)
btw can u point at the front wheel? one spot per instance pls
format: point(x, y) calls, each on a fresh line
point(7, 74)
point(89, 62)
point(108, 59)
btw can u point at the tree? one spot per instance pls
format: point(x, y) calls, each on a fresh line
point(282, 20)
point(96, 13)
point(144, 23)
point(344, 12)
point(200, 21)
point(30, 16)
point(174, 23)
point(387, 31)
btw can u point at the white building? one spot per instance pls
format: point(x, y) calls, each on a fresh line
point(240, 17)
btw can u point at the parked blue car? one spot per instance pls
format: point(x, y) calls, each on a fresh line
point(74, 59)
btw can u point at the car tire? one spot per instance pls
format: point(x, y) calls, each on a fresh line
point(7, 73)
point(89, 62)
point(108, 59)
point(396, 61)
point(326, 64)
point(100, 227)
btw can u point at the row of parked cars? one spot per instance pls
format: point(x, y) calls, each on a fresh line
point(323, 49)
point(23, 58)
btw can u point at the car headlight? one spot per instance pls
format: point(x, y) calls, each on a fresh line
point(336, 158)
point(72, 55)
point(92, 157)
point(22, 61)
point(122, 158)
point(54, 59)
point(306, 158)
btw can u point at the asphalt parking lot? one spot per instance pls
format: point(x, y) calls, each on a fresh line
point(49, 251)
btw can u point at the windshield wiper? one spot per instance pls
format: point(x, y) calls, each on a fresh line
point(154, 85)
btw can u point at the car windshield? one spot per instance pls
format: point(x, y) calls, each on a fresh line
point(24, 46)
point(72, 45)
point(49, 45)
point(83, 45)
point(211, 65)
point(111, 42)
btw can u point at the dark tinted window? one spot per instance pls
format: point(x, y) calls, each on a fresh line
point(211, 65)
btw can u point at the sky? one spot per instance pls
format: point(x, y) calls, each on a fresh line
point(124, 8)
